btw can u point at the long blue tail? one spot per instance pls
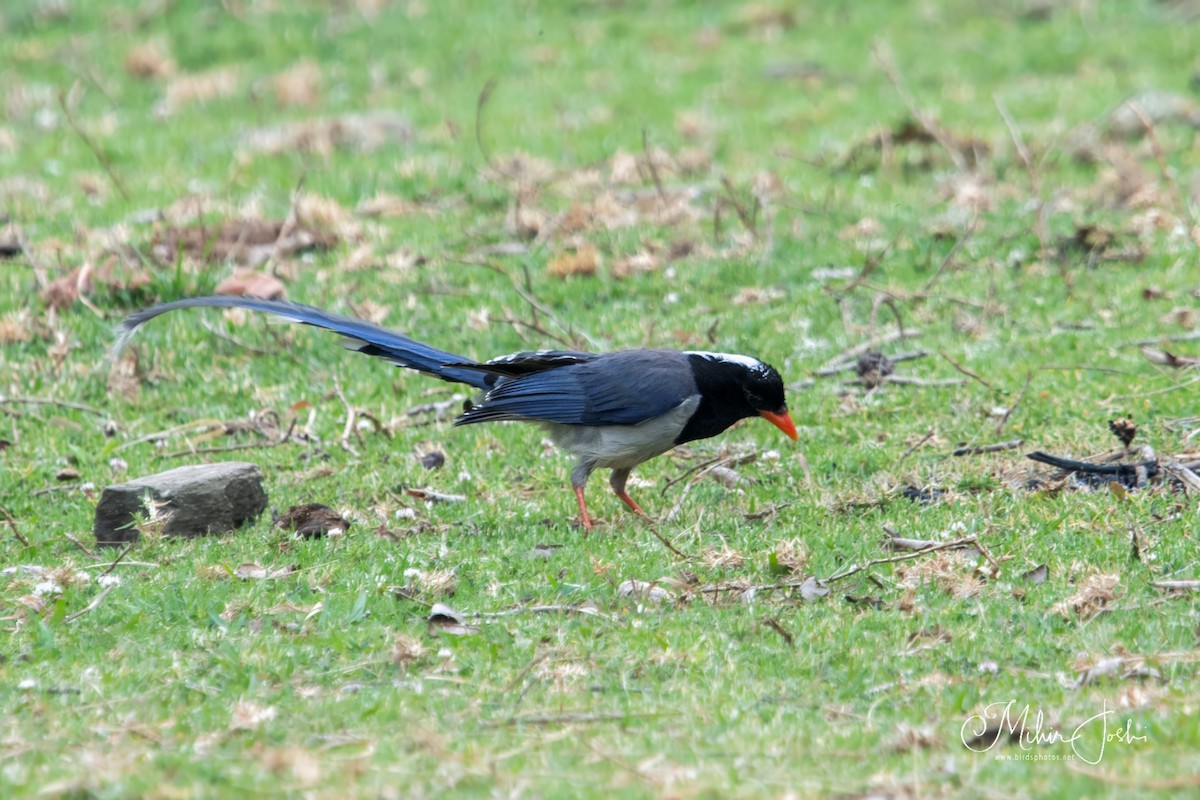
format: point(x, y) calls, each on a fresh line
point(362, 336)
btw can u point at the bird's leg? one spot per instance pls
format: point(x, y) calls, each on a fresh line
point(617, 482)
point(583, 515)
point(579, 477)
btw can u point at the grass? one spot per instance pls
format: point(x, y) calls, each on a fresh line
point(1038, 276)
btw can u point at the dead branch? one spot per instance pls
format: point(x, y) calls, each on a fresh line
point(44, 401)
point(919, 444)
point(975, 450)
point(960, 368)
point(1016, 402)
point(887, 63)
point(1035, 183)
point(12, 523)
point(120, 556)
point(92, 606)
point(549, 609)
point(874, 343)
point(105, 161)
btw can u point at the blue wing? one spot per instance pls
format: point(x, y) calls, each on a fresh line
point(624, 388)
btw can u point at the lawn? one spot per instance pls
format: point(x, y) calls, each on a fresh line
point(998, 197)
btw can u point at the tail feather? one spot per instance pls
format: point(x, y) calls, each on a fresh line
point(362, 336)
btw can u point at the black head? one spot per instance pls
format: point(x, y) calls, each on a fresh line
point(733, 387)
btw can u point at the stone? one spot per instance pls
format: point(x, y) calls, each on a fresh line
point(194, 501)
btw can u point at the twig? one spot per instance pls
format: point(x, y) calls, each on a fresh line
point(233, 447)
point(1013, 406)
point(1177, 585)
point(959, 367)
point(1035, 184)
point(96, 601)
point(852, 364)
point(887, 62)
point(667, 544)
point(739, 207)
point(12, 523)
point(87, 551)
point(351, 416)
point(44, 401)
point(917, 445)
point(117, 560)
point(709, 465)
point(124, 564)
point(513, 612)
point(857, 568)
point(959, 243)
point(876, 341)
point(650, 165)
point(526, 293)
point(907, 380)
point(957, 544)
point(1160, 157)
point(485, 94)
point(557, 719)
point(1159, 784)
point(974, 450)
point(104, 160)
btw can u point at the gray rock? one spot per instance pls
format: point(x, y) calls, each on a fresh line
point(202, 499)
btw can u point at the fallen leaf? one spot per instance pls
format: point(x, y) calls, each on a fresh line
point(252, 571)
point(583, 261)
point(246, 282)
point(812, 590)
point(1093, 596)
point(248, 715)
point(1037, 575)
point(444, 619)
point(313, 520)
point(651, 591)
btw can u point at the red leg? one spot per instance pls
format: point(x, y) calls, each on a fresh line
point(627, 500)
point(583, 515)
point(617, 481)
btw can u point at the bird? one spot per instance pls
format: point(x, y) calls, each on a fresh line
point(613, 410)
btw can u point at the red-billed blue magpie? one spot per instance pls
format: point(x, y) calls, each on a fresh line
point(613, 410)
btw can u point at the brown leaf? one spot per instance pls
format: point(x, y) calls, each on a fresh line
point(644, 589)
point(252, 571)
point(184, 90)
point(363, 132)
point(812, 590)
point(61, 294)
point(313, 520)
point(583, 261)
point(1091, 597)
point(446, 620)
point(1037, 576)
point(299, 85)
point(406, 651)
point(246, 282)
point(248, 715)
point(1170, 359)
point(149, 60)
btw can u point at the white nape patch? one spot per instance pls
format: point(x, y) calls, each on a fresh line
point(729, 358)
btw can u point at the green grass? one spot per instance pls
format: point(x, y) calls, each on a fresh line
point(185, 681)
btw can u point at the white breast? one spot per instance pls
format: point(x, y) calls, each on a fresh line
point(624, 446)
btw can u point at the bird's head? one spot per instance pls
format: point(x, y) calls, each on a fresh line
point(760, 386)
